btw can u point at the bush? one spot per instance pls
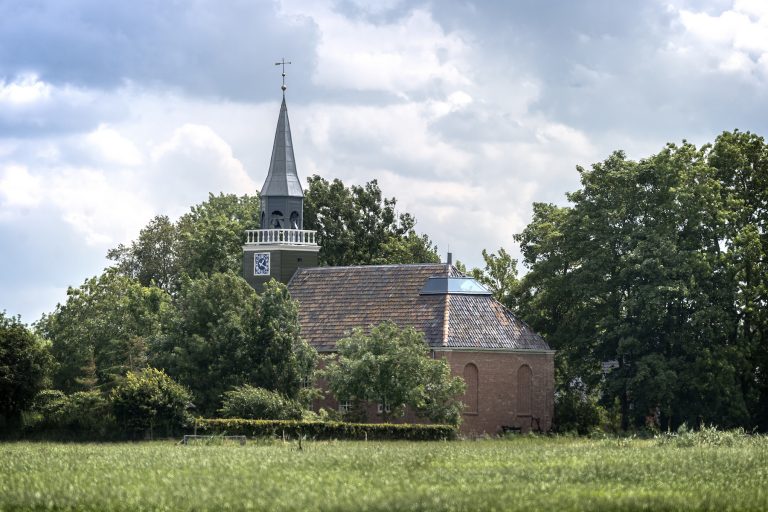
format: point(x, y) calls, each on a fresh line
point(705, 436)
point(576, 411)
point(151, 400)
point(86, 413)
point(327, 430)
point(259, 403)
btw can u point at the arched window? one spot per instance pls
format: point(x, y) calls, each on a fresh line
point(524, 385)
point(471, 398)
point(277, 219)
point(294, 220)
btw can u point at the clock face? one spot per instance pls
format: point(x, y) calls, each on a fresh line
point(261, 264)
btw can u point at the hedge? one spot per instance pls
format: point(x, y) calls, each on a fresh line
point(293, 429)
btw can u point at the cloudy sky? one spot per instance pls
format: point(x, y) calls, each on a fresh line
point(465, 111)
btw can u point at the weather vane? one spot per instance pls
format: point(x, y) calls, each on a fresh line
point(283, 63)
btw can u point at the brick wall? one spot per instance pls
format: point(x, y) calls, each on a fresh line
point(497, 392)
point(498, 400)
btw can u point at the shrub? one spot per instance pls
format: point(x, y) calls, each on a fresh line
point(327, 430)
point(576, 411)
point(705, 436)
point(258, 403)
point(86, 413)
point(150, 400)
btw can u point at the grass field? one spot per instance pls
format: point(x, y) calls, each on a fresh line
point(519, 474)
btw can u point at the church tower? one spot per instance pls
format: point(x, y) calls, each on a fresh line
point(282, 245)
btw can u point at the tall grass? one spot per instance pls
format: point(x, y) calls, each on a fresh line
point(518, 474)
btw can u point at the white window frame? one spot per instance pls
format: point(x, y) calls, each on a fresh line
point(380, 408)
point(345, 406)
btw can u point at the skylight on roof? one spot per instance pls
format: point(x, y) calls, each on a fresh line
point(453, 286)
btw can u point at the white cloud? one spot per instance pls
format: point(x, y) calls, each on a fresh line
point(27, 88)
point(399, 135)
point(103, 207)
point(108, 203)
point(735, 41)
point(399, 57)
point(192, 163)
point(18, 188)
point(112, 147)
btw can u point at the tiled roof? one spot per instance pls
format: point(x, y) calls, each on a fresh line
point(334, 300)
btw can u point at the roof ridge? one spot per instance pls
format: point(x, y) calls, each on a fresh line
point(388, 265)
point(446, 319)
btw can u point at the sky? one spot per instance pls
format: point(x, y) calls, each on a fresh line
point(466, 111)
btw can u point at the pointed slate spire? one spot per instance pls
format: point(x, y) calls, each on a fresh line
point(282, 179)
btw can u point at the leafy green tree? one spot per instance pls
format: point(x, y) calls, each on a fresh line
point(358, 226)
point(500, 277)
point(82, 412)
point(286, 360)
point(211, 234)
point(102, 330)
point(576, 410)
point(207, 341)
point(151, 259)
point(148, 401)
point(205, 240)
point(25, 365)
point(221, 334)
point(634, 272)
point(740, 161)
point(391, 366)
point(258, 403)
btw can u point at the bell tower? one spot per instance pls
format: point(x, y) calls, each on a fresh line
point(281, 245)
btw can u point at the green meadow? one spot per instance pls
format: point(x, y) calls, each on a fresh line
point(523, 473)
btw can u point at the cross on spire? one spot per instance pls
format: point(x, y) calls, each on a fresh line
point(283, 62)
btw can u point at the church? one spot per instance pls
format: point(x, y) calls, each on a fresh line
point(507, 367)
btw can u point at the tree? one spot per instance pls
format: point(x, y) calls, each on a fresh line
point(207, 239)
point(211, 234)
point(207, 339)
point(635, 272)
point(740, 161)
point(357, 226)
point(390, 365)
point(82, 412)
point(499, 276)
point(150, 400)
point(25, 364)
point(102, 331)
point(151, 259)
point(221, 334)
point(285, 361)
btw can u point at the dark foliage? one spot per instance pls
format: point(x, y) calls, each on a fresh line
point(327, 430)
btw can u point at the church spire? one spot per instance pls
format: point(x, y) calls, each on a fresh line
point(282, 178)
point(281, 244)
point(282, 198)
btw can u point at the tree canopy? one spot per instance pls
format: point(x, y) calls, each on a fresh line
point(25, 364)
point(358, 226)
point(103, 330)
point(205, 240)
point(222, 334)
point(390, 366)
point(660, 267)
